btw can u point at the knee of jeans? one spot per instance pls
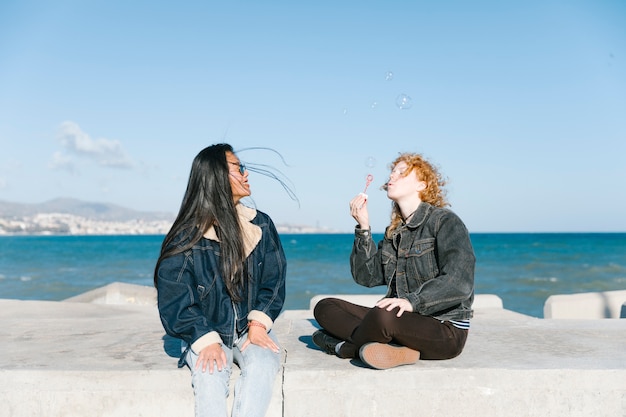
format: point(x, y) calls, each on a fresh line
point(206, 382)
point(382, 317)
point(268, 366)
point(319, 311)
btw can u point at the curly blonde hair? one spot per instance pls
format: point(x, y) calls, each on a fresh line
point(434, 193)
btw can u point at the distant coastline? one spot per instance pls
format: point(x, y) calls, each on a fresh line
point(71, 217)
point(60, 224)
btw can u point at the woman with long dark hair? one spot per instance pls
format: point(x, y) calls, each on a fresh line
point(220, 281)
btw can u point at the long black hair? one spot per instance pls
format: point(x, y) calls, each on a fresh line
point(208, 201)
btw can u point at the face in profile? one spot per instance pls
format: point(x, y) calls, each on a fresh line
point(238, 176)
point(403, 184)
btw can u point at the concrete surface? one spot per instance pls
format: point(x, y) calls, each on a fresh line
point(589, 305)
point(83, 359)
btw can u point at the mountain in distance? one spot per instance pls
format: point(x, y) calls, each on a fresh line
point(85, 209)
point(98, 212)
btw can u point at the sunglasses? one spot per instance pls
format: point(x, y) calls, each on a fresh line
point(242, 167)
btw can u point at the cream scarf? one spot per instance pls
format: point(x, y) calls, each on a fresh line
point(251, 233)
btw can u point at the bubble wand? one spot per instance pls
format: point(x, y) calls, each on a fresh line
point(368, 181)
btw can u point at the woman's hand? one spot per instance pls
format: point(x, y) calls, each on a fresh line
point(213, 356)
point(358, 210)
point(390, 303)
point(257, 335)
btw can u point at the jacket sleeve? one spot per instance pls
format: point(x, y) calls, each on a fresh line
point(179, 311)
point(456, 263)
point(270, 296)
point(366, 264)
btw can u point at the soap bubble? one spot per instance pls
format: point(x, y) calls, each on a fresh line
point(374, 104)
point(388, 76)
point(403, 102)
point(370, 162)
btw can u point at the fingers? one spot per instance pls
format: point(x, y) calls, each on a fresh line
point(262, 340)
point(212, 357)
point(268, 343)
point(358, 210)
point(207, 363)
point(400, 303)
point(245, 344)
point(388, 303)
point(358, 202)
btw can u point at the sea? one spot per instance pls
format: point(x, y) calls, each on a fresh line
point(523, 269)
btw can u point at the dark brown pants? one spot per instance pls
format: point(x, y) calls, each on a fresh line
point(358, 325)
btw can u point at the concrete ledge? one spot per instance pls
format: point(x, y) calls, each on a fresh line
point(75, 359)
point(118, 293)
point(590, 305)
point(513, 365)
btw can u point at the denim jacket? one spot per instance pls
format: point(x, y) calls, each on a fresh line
point(193, 302)
point(429, 261)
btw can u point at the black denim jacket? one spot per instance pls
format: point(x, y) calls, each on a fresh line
point(430, 262)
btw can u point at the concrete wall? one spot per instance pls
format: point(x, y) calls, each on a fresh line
point(591, 305)
point(74, 359)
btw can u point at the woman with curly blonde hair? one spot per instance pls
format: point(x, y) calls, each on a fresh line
point(425, 260)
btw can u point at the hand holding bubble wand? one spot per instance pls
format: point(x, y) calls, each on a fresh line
point(368, 181)
point(361, 216)
point(369, 162)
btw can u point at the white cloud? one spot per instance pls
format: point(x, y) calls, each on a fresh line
point(105, 152)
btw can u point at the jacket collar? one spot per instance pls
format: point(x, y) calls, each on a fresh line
point(423, 210)
point(251, 233)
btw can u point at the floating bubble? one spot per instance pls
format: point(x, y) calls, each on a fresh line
point(345, 111)
point(403, 102)
point(370, 162)
point(388, 76)
point(374, 104)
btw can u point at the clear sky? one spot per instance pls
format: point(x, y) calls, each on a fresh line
point(521, 104)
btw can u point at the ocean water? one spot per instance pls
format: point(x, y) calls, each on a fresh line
point(523, 269)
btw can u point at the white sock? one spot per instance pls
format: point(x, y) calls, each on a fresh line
point(338, 346)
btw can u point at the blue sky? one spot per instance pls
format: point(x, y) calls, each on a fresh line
point(521, 104)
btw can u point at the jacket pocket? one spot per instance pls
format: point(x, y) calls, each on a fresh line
point(202, 292)
point(422, 260)
point(390, 263)
point(205, 288)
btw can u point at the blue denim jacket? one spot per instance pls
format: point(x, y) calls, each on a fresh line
point(192, 297)
point(430, 260)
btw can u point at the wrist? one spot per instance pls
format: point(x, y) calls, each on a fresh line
point(362, 230)
point(254, 323)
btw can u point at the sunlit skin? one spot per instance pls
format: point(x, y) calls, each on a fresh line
point(404, 190)
point(238, 181)
point(213, 356)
